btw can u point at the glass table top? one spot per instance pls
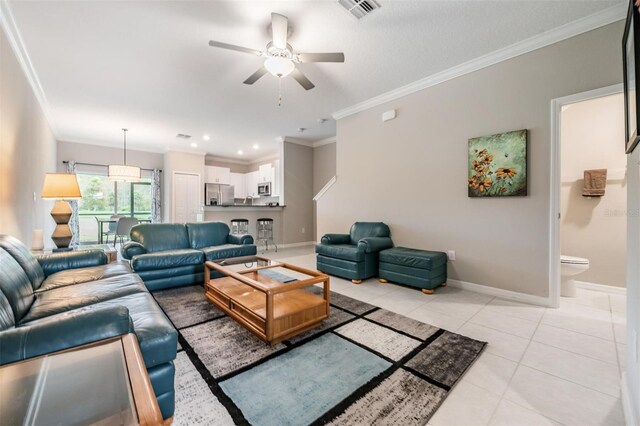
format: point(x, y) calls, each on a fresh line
point(85, 386)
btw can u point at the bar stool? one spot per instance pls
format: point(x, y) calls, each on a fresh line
point(265, 232)
point(239, 226)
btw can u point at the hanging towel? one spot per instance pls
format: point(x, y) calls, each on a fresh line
point(595, 182)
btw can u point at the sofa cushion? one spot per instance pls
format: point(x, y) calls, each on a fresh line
point(23, 256)
point(161, 236)
point(341, 251)
point(226, 251)
point(167, 259)
point(83, 275)
point(7, 320)
point(15, 285)
point(207, 234)
point(361, 230)
point(75, 296)
point(157, 338)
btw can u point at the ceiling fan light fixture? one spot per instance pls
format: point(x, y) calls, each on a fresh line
point(278, 66)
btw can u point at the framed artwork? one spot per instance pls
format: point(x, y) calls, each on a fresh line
point(630, 69)
point(498, 165)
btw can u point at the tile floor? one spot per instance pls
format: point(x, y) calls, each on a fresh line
point(541, 366)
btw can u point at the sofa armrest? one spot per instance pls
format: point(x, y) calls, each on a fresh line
point(132, 248)
point(335, 239)
point(374, 244)
point(63, 331)
point(240, 239)
point(56, 262)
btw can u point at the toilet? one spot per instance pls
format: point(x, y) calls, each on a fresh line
point(571, 266)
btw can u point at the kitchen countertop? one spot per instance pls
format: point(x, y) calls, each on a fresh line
point(264, 206)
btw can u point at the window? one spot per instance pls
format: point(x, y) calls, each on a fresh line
point(102, 199)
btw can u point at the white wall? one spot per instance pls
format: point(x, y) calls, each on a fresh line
point(632, 375)
point(411, 172)
point(179, 162)
point(27, 152)
point(595, 228)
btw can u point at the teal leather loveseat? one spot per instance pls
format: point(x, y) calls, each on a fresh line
point(64, 300)
point(354, 255)
point(169, 255)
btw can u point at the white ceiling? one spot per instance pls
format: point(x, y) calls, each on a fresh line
point(147, 66)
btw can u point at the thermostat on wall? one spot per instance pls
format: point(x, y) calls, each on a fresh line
point(389, 115)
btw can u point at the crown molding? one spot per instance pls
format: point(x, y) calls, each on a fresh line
point(326, 141)
point(303, 142)
point(572, 29)
point(186, 151)
point(8, 24)
point(130, 147)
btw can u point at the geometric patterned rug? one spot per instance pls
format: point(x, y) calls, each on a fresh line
point(364, 365)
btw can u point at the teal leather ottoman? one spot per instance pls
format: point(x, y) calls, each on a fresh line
point(423, 269)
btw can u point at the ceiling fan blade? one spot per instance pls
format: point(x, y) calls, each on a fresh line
point(234, 47)
point(302, 79)
point(321, 57)
point(279, 29)
point(256, 76)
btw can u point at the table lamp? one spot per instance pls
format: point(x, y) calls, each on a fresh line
point(61, 187)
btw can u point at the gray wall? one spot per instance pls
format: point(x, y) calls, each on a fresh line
point(324, 165)
point(411, 172)
point(298, 193)
point(27, 152)
point(324, 168)
point(595, 228)
point(85, 153)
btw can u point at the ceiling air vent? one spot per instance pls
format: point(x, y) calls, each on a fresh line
point(183, 136)
point(359, 8)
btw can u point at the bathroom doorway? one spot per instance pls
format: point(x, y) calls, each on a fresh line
point(588, 210)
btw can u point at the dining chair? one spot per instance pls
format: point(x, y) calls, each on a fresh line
point(123, 228)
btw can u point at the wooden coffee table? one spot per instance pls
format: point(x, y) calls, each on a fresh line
point(253, 293)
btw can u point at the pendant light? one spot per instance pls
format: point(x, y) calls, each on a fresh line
point(124, 173)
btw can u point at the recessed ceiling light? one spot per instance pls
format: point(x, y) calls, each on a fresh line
point(194, 145)
point(206, 137)
point(256, 146)
point(240, 152)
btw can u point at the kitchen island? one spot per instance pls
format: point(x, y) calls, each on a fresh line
point(251, 213)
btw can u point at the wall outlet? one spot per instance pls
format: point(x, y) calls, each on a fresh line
point(303, 230)
point(451, 254)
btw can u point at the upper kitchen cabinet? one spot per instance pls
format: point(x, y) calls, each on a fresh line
point(265, 173)
point(251, 183)
point(239, 186)
point(215, 174)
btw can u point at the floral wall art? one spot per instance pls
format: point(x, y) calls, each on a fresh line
point(498, 165)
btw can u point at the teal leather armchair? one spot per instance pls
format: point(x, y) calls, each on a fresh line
point(354, 255)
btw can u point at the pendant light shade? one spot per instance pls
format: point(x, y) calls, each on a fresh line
point(122, 172)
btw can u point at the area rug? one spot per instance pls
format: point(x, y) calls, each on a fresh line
point(364, 365)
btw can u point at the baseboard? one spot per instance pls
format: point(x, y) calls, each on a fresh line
point(601, 287)
point(630, 417)
point(499, 292)
point(291, 245)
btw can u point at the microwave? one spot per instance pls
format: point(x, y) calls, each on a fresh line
point(264, 189)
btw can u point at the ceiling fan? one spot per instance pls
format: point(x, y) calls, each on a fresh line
point(281, 60)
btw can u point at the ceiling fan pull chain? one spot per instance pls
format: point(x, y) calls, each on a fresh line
point(279, 91)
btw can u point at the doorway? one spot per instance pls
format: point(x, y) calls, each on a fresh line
point(569, 210)
point(186, 197)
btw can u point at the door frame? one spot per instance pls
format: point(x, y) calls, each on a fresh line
point(173, 190)
point(555, 164)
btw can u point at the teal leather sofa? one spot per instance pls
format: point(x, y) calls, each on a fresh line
point(63, 300)
point(354, 255)
point(169, 255)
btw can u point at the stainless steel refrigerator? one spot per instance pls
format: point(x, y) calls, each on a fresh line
point(218, 195)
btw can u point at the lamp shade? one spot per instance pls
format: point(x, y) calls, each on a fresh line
point(121, 173)
point(278, 66)
point(61, 186)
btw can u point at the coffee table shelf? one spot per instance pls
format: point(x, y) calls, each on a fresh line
point(271, 309)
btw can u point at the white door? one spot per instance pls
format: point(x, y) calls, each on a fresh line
point(186, 197)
